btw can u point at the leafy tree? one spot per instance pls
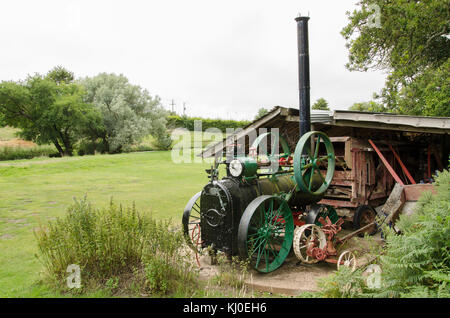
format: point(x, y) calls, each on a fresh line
point(368, 107)
point(46, 111)
point(411, 44)
point(128, 111)
point(428, 94)
point(321, 104)
point(60, 75)
point(261, 112)
point(2, 120)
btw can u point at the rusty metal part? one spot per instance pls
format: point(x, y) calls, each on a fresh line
point(386, 163)
point(310, 243)
point(402, 165)
point(350, 235)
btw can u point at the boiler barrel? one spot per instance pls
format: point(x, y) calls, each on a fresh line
point(285, 183)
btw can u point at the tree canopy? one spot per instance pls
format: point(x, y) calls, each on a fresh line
point(47, 109)
point(128, 111)
point(320, 104)
point(261, 112)
point(410, 42)
point(368, 107)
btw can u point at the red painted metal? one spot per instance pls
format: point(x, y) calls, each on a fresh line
point(429, 162)
point(411, 179)
point(413, 192)
point(386, 164)
point(197, 242)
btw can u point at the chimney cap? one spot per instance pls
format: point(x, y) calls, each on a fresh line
point(300, 18)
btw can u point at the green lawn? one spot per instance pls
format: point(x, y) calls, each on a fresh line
point(33, 191)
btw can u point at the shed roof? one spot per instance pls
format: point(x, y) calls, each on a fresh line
point(287, 120)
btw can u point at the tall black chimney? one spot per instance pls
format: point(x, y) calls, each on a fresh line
point(303, 74)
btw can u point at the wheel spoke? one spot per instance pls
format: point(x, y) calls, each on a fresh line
point(322, 158)
point(259, 255)
point(261, 242)
point(311, 178)
point(267, 259)
point(316, 150)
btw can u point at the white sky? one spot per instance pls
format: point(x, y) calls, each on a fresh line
point(224, 59)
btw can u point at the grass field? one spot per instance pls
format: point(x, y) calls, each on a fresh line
point(37, 190)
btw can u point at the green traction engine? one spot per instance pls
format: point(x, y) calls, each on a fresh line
point(253, 211)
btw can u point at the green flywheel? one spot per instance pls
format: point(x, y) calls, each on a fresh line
point(313, 154)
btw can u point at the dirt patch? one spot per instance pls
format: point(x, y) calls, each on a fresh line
point(294, 277)
point(16, 221)
point(17, 143)
point(6, 237)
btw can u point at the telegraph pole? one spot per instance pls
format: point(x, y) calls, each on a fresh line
point(173, 105)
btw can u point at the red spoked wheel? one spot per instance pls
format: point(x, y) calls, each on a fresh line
point(191, 225)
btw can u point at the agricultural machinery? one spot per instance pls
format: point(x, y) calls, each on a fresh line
point(260, 212)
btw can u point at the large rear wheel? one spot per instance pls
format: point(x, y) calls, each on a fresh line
point(265, 233)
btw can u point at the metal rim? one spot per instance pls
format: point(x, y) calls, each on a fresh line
point(191, 223)
point(308, 236)
point(306, 162)
point(266, 232)
point(365, 215)
point(347, 259)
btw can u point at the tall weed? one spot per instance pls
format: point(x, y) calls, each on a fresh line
point(115, 247)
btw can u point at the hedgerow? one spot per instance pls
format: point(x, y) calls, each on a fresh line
point(174, 121)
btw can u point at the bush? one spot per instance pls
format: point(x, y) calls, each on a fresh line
point(116, 248)
point(88, 147)
point(343, 284)
point(16, 153)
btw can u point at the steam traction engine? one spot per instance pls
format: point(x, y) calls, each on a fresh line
point(260, 214)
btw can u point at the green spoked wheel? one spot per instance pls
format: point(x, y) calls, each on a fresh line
point(191, 223)
point(314, 152)
point(265, 233)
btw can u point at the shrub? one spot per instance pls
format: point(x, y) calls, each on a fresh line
point(343, 284)
point(116, 248)
point(16, 153)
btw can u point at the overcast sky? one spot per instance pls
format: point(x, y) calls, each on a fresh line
point(223, 58)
